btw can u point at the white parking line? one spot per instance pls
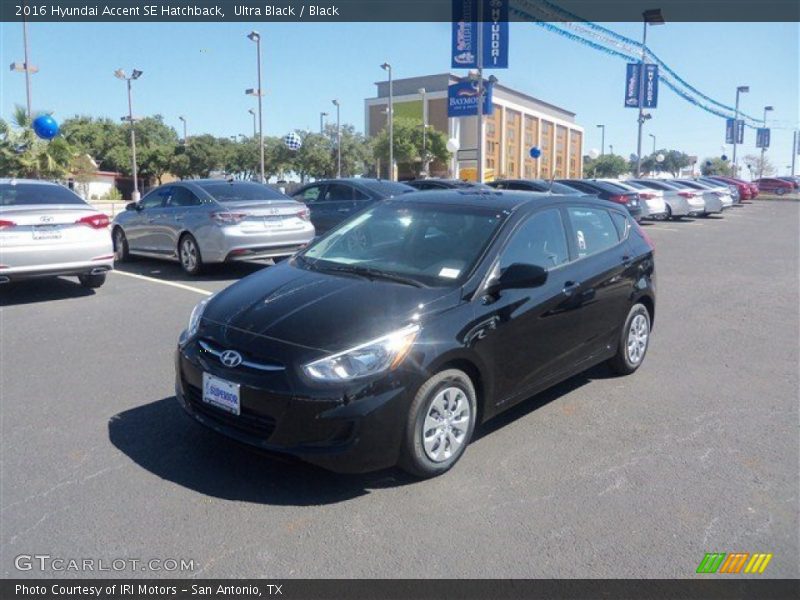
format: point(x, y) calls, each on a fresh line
point(170, 283)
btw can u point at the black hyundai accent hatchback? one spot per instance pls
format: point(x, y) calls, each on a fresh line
point(390, 338)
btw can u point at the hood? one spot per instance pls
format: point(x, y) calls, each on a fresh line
point(319, 311)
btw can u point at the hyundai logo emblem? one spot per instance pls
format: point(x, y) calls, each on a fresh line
point(230, 358)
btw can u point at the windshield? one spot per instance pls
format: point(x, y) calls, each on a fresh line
point(240, 191)
point(32, 194)
point(387, 188)
point(432, 244)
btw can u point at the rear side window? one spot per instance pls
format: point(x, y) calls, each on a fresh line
point(32, 194)
point(593, 228)
point(540, 241)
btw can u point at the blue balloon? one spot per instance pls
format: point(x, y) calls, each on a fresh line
point(724, 157)
point(45, 127)
point(536, 152)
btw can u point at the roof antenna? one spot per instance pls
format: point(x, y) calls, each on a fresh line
point(550, 187)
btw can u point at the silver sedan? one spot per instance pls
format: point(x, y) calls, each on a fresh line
point(46, 230)
point(205, 221)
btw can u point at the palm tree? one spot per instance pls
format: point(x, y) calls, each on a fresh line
point(23, 154)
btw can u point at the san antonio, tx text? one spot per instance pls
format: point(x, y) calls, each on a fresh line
point(140, 590)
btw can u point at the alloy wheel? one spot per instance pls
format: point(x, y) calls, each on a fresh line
point(445, 427)
point(637, 339)
point(189, 254)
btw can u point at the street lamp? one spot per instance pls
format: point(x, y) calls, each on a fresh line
point(185, 136)
point(742, 89)
point(26, 67)
point(135, 74)
point(388, 68)
point(255, 130)
point(322, 116)
point(254, 36)
point(338, 140)
point(651, 17)
point(654, 141)
point(602, 139)
point(611, 149)
point(763, 148)
point(422, 93)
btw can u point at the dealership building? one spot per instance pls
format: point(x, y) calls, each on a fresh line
point(518, 122)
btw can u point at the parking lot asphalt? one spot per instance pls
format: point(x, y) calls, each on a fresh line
point(601, 477)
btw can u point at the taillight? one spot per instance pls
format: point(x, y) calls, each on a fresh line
point(227, 218)
point(646, 196)
point(687, 194)
point(644, 235)
point(99, 221)
point(619, 199)
point(304, 213)
point(4, 224)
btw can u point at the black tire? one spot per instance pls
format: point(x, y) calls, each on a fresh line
point(88, 280)
point(670, 216)
point(622, 362)
point(190, 267)
point(780, 191)
point(121, 252)
point(414, 457)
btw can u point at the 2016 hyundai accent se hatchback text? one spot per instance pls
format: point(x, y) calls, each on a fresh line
point(388, 340)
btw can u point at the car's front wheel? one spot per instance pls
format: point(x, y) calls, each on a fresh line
point(634, 341)
point(189, 255)
point(780, 191)
point(440, 424)
point(121, 253)
point(92, 281)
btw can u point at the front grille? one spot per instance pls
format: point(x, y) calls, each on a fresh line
point(258, 425)
point(247, 362)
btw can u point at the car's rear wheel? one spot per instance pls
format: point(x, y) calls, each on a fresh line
point(634, 341)
point(121, 252)
point(440, 424)
point(88, 280)
point(189, 255)
point(780, 191)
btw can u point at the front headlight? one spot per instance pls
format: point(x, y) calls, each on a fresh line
point(194, 318)
point(379, 355)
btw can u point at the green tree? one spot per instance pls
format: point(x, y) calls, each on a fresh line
point(356, 151)
point(408, 146)
point(607, 165)
point(23, 154)
point(715, 166)
point(314, 158)
point(203, 155)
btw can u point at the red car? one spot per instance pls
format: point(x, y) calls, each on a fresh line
point(746, 190)
point(776, 186)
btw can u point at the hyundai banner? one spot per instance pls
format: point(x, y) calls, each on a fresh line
point(462, 99)
point(729, 131)
point(634, 74)
point(465, 34)
point(762, 137)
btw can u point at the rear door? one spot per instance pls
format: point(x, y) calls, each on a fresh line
point(605, 271)
point(177, 215)
point(340, 203)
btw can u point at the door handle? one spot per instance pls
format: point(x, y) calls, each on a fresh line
point(343, 210)
point(570, 288)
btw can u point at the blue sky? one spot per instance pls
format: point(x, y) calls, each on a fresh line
point(201, 71)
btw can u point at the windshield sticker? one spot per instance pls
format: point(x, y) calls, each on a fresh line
point(449, 273)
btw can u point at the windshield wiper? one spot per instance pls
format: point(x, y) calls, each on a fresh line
point(371, 273)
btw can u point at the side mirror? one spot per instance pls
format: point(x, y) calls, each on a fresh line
point(132, 206)
point(519, 276)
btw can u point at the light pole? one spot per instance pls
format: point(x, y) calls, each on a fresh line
point(338, 140)
point(742, 89)
point(651, 17)
point(255, 129)
point(763, 148)
point(422, 93)
point(26, 67)
point(185, 135)
point(135, 74)
point(322, 116)
point(254, 36)
point(602, 139)
point(388, 68)
point(611, 149)
point(654, 141)
point(795, 147)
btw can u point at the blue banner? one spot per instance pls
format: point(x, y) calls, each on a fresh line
point(494, 25)
point(729, 131)
point(762, 137)
point(650, 92)
point(641, 80)
point(462, 99)
point(632, 85)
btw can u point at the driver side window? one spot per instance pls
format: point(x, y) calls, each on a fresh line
point(540, 241)
point(155, 199)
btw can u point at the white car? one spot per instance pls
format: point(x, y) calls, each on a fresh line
point(680, 202)
point(46, 230)
point(652, 201)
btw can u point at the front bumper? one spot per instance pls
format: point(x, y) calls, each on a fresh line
point(335, 429)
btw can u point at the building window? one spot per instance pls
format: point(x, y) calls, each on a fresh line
point(561, 151)
point(513, 143)
point(575, 149)
point(493, 139)
point(531, 140)
point(547, 148)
